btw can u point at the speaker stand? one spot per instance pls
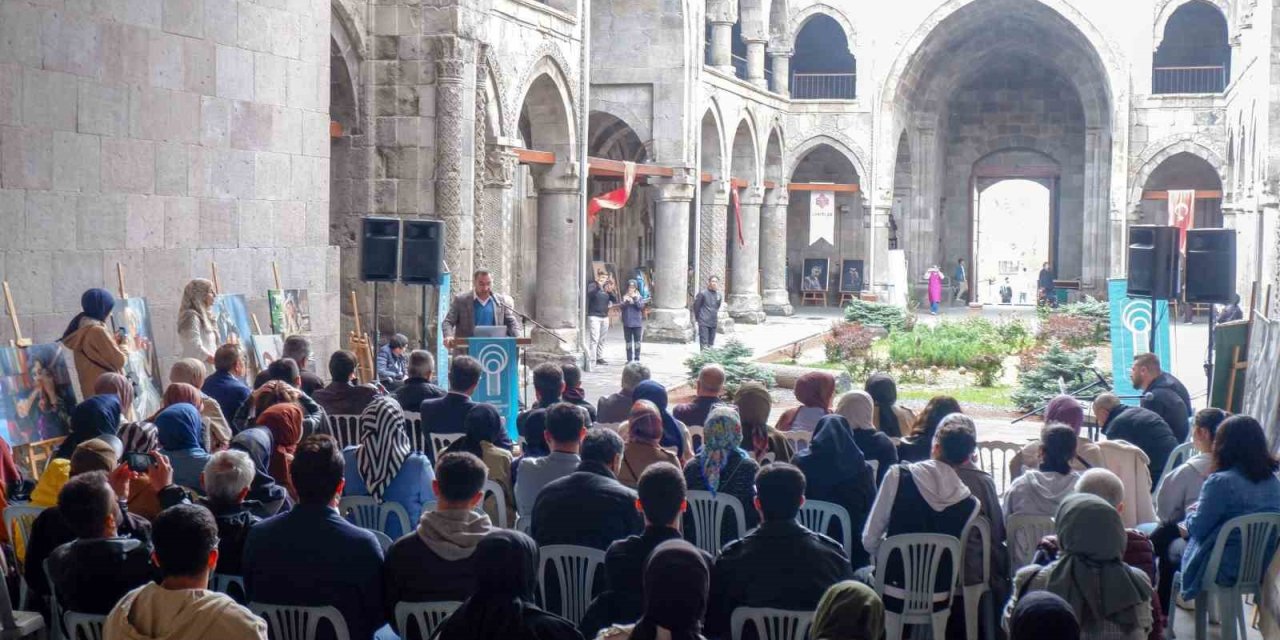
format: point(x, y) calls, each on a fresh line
point(377, 338)
point(1155, 322)
point(1208, 356)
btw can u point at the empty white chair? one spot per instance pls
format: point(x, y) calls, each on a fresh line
point(15, 625)
point(875, 469)
point(921, 557)
point(299, 623)
point(83, 626)
point(771, 624)
point(1023, 533)
point(367, 513)
point(994, 457)
point(1256, 533)
point(1179, 455)
point(428, 616)
point(816, 516)
point(574, 568)
point(499, 501)
point(345, 429)
point(708, 512)
point(17, 521)
point(441, 441)
point(974, 593)
point(229, 585)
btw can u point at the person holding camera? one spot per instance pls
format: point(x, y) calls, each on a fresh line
point(633, 303)
point(601, 296)
point(96, 350)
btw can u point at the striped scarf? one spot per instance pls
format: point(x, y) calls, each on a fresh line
point(384, 445)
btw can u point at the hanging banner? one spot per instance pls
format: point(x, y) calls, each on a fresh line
point(443, 300)
point(822, 216)
point(499, 385)
point(1131, 327)
point(1182, 214)
point(615, 199)
point(737, 215)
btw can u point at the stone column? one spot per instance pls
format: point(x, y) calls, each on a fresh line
point(755, 63)
point(558, 278)
point(453, 200)
point(669, 318)
point(773, 251)
point(878, 273)
point(1093, 251)
point(494, 243)
point(712, 238)
point(782, 71)
point(744, 303)
point(722, 45)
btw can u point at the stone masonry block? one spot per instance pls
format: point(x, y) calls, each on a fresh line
point(220, 21)
point(284, 29)
point(272, 175)
point(215, 122)
point(101, 221)
point(13, 218)
point(30, 277)
point(77, 162)
point(257, 224)
point(145, 220)
point(219, 223)
point(128, 166)
point(164, 115)
point(184, 17)
point(291, 224)
point(165, 61)
point(168, 271)
point(134, 264)
point(270, 84)
point(221, 173)
point(286, 130)
point(171, 169)
point(235, 271)
point(75, 271)
point(20, 34)
point(181, 223)
point(315, 133)
point(10, 94)
point(255, 23)
point(200, 64)
point(103, 109)
point(26, 158)
point(303, 86)
point(48, 99)
point(51, 220)
point(251, 126)
point(71, 43)
point(235, 73)
point(125, 52)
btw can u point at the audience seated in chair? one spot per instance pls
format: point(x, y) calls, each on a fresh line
point(835, 471)
point(284, 422)
point(780, 564)
point(565, 427)
point(677, 579)
point(1179, 491)
point(709, 386)
point(384, 465)
point(1066, 410)
point(918, 445)
point(983, 487)
point(216, 428)
point(446, 415)
point(436, 562)
point(675, 435)
point(297, 350)
point(266, 497)
point(848, 609)
point(722, 466)
point(1042, 615)
point(814, 390)
point(573, 393)
point(1039, 491)
point(418, 388)
point(1140, 427)
point(548, 386)
point(228, 478)
point(311, 556)
point(226, 385)
point(344, 395)
point(281, 386)
point(181, 436)
point(858, 408)
point(589, 507)
point(760, 440)
point(485, 437)
point(644, 433)
point(181, 605)
point(615, 407)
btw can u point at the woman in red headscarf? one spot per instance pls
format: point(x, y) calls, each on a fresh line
point(285, 423)
point(643, 448)
point(814, 390)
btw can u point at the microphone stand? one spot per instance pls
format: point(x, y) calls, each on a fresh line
point(536, 325)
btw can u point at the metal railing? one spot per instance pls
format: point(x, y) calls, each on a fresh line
point(1207, 79)
point(740, 67)
point(824, 86)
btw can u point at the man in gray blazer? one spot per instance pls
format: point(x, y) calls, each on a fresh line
point(480, 306)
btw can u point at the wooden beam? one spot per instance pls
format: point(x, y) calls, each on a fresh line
point(824, 186)
point(1164, 195)
point(529, 156)
point(335, 129)
point(614, 168)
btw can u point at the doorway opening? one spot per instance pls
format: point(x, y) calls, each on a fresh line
point(1013, 219)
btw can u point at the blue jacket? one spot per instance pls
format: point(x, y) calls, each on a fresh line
point(390, 365)
point(229, 391)
point(1225, 495)
point(633, 313)
point(311, 557)
point(188, 466)
point(411, 488)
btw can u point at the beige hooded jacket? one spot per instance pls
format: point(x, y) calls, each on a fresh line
point(152, 612)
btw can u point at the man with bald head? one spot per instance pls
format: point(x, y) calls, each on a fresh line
point(710, 385)
point(1140, 427)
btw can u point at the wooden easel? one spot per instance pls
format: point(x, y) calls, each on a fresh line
point(18, 340)
point(808, 298)
point(275, 272)
point(360, 346)
point(846, 297)
point(217, 288)
point(36, 455)
point(120, 281)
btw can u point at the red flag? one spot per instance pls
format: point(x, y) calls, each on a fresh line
point(737, 214)
point(615, 199)
point(1182, 214)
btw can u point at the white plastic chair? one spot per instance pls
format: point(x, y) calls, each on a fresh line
point(228, 585)
point(974, 593)
point(499, 501)
point(427, 616)
point(384, 540)
point(875, 470)
point(921, 557)
point(708, 513)
point(299, 623)
point(17, 520)
point(771, 624)
point(15, 625)
point(83, 626)
point(441, 441)
point(367, 513)
point(816, 516)
point(575, 572)
point(1023, 533)
point(994, 457)
point(1257, 534)
point(1179, 455)
point(345, 429)
point(56, 621)
point(413, 423)
point(799, 438)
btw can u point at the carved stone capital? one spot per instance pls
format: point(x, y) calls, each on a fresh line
point(451, 55)
point(499, 166)
point(752, 195)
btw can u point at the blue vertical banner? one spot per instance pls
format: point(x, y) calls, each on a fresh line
point(443, 300)
point(499, 383)
point(1131, 327)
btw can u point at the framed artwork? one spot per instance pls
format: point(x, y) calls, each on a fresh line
point(132, 317)
point(851, 276)
point(290, 311)
point(814, 276)
point(266, 349)
point(37, 393)
point(231, 317)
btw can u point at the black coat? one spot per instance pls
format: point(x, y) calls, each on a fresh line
point(588, 508)
point(1146, 430)
point(1167, 396)
point(234, 523)
point(90, 576)
point(414, 573)
point(415, 391)
point(876, 446)
point(780, 565)
point(49, 531)
point(445, 415)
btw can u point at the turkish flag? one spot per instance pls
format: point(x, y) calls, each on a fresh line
point(615, 199)
point(1182, 214)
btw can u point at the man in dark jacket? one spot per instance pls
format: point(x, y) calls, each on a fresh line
point(710, 385)
point(226, 385)
point(601, 295)
point(1142, 428)
point(760, 570)
point(706, 312)
point(616, 407)
point(589, 507)
point(227, 478)
point(417, 388)
point(445, 415)
point(1162, 393)
point(548, 386)
point(344, 396)
point(573, 393)
point(297, 349)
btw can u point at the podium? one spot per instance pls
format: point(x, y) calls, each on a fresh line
point(499, 360)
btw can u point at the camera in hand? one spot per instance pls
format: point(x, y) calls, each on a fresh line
point(139, 462)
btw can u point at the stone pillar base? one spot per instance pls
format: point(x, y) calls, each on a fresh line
point(746, 308)
point(668, 325)
point(724, 322)
point(777, 302)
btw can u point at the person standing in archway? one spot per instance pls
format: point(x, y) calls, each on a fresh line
point(935, 278)
point(706, 310)
point(962, 282)
point(1044, 284)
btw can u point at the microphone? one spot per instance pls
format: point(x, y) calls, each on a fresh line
point(1102, 380)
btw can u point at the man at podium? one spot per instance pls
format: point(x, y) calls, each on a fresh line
point(480, 307)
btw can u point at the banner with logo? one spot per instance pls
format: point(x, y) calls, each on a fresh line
point(499, 383)
point(822, 216)
point(443, 301)
point(1182, 214)
point(1131, 327)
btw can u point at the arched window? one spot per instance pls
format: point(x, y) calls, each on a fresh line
point(1194, 55)
point(822, 67)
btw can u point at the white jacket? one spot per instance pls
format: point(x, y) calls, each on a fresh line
point(1130, 463)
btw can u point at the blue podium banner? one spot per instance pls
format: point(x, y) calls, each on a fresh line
point(499, 379)
point(1131, 327)
point(443, 300)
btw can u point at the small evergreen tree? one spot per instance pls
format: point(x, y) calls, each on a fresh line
point(735, 357)
point(1036, 385)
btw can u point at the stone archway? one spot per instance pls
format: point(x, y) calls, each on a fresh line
point(822, 161)
point(1179, 171)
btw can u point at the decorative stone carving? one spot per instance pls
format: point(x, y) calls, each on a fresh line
point(452, 54)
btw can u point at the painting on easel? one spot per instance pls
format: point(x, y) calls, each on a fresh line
point(290, 311)
point(231, 317)
point(132, 317)
point(37, 393)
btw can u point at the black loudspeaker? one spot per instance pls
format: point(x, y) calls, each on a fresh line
point(423, 252)
point(379, 249)
point(1153, 262)
point(1211, 265)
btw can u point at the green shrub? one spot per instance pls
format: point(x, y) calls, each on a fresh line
point(849, 345)
point(1087, 322)
point(878, 314)
point(1040, 374)
point(735, 357)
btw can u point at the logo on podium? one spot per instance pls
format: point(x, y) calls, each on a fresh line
point(499, 379)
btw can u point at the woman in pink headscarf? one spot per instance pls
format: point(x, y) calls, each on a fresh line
point(1067, 410)
point(935, 288)
point(644, 437)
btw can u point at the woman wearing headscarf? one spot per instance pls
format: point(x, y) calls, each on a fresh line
point(217, 431)
point(197, 332)
point(1043, 616)
point(1066, 410)
point(314, 419)
point(484, 437)
point(96, 416)
point(141, 437)
point(835, 471)
point(723, 467)
point(503, 605)
point(266, 497)
point(754, 405)
point(1111, 599)
point(180, 434)
point(674, 433)
point(677, 583)
point(118, 385)
point(384, 465)
point(849, 610)
point(889, 418)
point(644, 432)
point(96, 350)
point(919, 445)
point(814, 390)
point(858, 408)
point(284, 421)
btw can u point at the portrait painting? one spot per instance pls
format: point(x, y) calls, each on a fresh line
point(290, 311)
point(132, 318)
point(37, 393)
point(267, 349)
point(231, 318)
point(813, 276)
point(851, 272)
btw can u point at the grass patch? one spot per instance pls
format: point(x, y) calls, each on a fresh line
point(997, 396)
